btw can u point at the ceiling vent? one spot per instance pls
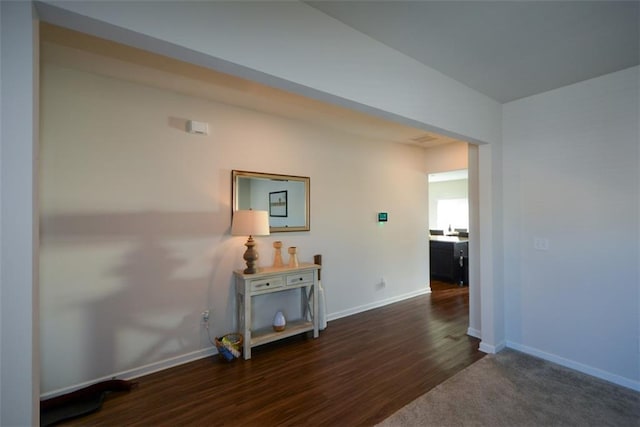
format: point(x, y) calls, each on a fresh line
point(423, 139)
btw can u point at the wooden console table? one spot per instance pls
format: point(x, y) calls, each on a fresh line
point(269, 280)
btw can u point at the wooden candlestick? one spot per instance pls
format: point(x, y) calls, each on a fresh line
point(293, 256)
point(277, 259)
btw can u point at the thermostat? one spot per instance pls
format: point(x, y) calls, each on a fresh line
point(382, 217)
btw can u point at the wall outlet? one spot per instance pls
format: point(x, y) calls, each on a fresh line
point(205, 316)
point(381, 284)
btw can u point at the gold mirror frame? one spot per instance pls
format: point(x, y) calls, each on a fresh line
point(286, 197)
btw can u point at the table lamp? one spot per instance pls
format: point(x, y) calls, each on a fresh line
point(250, 223)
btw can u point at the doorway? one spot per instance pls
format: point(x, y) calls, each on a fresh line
point(462, 156)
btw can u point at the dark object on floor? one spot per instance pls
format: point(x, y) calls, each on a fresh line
point(80, 402)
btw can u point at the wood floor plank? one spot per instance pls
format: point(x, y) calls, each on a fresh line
point(362, 369)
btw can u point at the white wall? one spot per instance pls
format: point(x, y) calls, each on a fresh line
point(19, 387)
point(571, 176)
point(474, 329)
point(136, 216)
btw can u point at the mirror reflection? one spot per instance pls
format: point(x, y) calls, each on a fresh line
point(285, 197)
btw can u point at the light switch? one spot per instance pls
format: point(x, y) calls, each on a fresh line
point(541, 243)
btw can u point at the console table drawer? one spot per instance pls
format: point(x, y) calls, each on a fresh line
point(299, 279)
point(265, 284)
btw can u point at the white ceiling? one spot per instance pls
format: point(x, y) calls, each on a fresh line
point(504, 49)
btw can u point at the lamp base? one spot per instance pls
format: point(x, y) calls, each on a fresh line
point(250, 256)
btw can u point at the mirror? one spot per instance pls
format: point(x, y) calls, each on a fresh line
point(285, 197)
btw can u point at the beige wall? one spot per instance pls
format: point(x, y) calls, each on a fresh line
point(170, 30)
point(447, 157)
point(135, 217)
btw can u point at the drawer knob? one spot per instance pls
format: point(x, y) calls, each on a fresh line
point(300, 279)
point(267, 284)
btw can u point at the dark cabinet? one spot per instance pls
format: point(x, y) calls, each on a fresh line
point(444, 259)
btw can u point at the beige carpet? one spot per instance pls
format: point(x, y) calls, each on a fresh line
point(514, 389)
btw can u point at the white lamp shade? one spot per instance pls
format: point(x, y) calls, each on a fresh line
point(250, 223)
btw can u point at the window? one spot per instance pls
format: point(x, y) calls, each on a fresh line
point(452, 212)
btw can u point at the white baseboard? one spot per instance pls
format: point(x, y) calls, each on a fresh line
point(200, 354)
point(377, 304)
point(491, 349)
point(585, 369)
point(138, 372)
point(474, 333)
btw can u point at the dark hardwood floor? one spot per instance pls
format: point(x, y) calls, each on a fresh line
point(362, 369)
